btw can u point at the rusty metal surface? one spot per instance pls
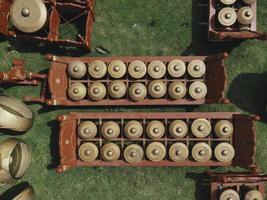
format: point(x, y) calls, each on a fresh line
point(240, 182)
point(69, 140)
point(59, 11)
point(219, 33)
point(56, 84)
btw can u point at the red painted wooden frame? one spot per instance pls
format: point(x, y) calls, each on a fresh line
point(236, 181)
point(218, 33)
point(59, 9)
point(56, 82)
point(243, 139)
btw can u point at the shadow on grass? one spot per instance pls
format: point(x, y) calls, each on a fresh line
point(248, 92)
point(12, 192)
point(54, 139)
point(202, 185)
point(200, 44)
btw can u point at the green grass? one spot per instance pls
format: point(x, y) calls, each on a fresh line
point(155, 27)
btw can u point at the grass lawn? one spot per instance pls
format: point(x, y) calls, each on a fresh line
point(141, 27)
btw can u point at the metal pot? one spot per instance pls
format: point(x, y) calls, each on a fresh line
point(201, 128)
point(28, 16)
point(155, 151)
point(178, 129)
point(97, 69)
point(133, 129)
point(176, 68)
point(133, 153)
point(156, 69)
point(110, 130)
point(88, 152)
point(137, 69)
point(157, 89)
point(97, 91)
point(178, 152)
point(77, 91)
point(201, 152)
point(137, 91)
point(224, 152)
point(117, 69)
point(87, 130)
point(117, 89)
point(227, 16)
point(77, 69)
point(155, 129)
point(15, 159)
point(177, 90)
point(110, 152)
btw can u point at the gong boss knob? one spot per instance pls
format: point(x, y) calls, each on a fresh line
point(156, 69)
point(224, 152)
point(88, 152)
point(178, 129)
point(110, 152)
point(133, 153)
point(201, 128)
point(224, 129)
point(77, 69)
point(97, 69)
point(137, 91)
point(155, 129)
point(117, 89)
point(227, 16)
point(196, 68)
point(97, 91)
point(201, 152)
point(137, 69)
point(155, 151)
point(176, 68)
point(229, 194)
point(133, 129)
point(110, 130)
point(177, 90)
point(245, 15)
point(77, 91)
point(157, 89)
point(87, 130)
point(198, 90)
point(28, 16)
point(117, 69)
point(178, 152)
point(254, 195)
